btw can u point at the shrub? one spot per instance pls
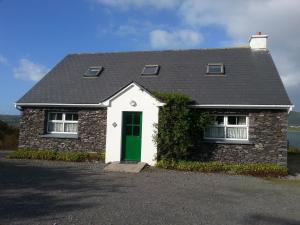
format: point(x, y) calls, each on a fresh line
point(260, 169)
point(293, 150)
point(71, 156)
point(96, 156)
point(100, 156)
point(178, 126)
point(8, 136)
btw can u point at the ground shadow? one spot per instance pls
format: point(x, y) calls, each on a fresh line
point(294, 163)
point(270, 220)
point(29, 190)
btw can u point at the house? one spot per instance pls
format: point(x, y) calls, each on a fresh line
point(104, 102)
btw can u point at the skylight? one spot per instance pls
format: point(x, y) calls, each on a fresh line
point(149, 70)
point(93, 71)
point(215, 68)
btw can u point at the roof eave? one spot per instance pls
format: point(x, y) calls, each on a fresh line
point(99, 105)
point(241, 106)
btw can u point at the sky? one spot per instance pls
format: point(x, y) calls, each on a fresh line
point(36, 34)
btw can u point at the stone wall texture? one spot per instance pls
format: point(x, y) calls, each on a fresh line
point(267, 135)
point(267, 139)
point(91, 130)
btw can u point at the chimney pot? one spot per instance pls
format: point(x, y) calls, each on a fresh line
point(258, 33)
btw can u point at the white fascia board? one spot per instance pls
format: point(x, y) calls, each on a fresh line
point(288, 107)
point(60, 105)
point(105, 103)
point(129, 86)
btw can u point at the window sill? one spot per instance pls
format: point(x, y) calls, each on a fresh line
point(69, 136)
point(228, 142)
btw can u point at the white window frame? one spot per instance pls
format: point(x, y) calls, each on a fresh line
point(226, 125)
point(63, 121)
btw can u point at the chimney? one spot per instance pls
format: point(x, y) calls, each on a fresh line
point(258, 41)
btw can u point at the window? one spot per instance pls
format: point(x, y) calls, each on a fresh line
point(228, 128)
point(93, 71)
point(62, 123)
point(215, 68)
point(150, 70)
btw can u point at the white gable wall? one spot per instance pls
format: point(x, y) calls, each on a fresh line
point(146, 104)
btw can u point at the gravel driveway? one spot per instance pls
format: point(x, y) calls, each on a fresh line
point(41, 192)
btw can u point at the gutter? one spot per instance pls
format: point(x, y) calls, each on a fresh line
point(20, 105)
point(235, 106)
point(289, 108)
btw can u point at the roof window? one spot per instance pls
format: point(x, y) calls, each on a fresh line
point(93, 71)
point(149, 70)
point(215, 68)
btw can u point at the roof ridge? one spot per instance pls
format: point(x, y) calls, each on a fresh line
point(158, 51)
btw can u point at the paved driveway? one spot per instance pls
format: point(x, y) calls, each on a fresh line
point(39, 192)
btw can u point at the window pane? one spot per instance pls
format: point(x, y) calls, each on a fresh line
point(58, 116)
point(71, 127)
point(75, 117)
point(71, 116)
point(136, 131)
point(241, 120)
point(150, 70)
point(215, 132)
point(128, 130)
point(93, 71)
point(215, 69)
point(136, 119)
point(52, 116)
point(128, 118)
point(55, 127)
point(219, 120)
point(236, 132)
point(232, 120)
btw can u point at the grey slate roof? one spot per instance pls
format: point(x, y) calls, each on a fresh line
point(250, 77)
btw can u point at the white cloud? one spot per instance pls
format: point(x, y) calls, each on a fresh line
point(277, 18)
point(240, 19)
point(162, 39)
point(28, 70)
point(3, 60)
point(126, 4)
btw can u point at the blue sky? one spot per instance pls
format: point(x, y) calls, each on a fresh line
point(37, 34)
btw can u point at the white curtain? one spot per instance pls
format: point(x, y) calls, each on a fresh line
point(55, 127)
point(215, 132)
point(236, 132)
point(71, 127)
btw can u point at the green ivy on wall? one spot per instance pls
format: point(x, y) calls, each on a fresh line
point(179, 127)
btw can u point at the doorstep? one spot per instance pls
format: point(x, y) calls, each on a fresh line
point(125, 167)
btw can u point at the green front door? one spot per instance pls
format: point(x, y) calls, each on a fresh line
point(131, 136)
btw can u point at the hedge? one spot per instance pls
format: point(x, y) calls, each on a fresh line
point(293, 150)
point(71, 156)
point(259, 169)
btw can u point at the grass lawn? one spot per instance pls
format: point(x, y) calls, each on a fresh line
point(294, 129)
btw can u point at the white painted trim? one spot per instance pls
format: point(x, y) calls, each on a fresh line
point(105, 103)
point(99, 105)
point(63, 121)
point(129, 86)
point(288, 107)
point(225, 125)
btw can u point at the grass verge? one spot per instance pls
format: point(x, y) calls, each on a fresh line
point(260, 170)
point(70, 156)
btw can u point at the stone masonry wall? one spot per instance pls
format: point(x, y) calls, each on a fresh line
point(91, 130)
point(267, 139)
